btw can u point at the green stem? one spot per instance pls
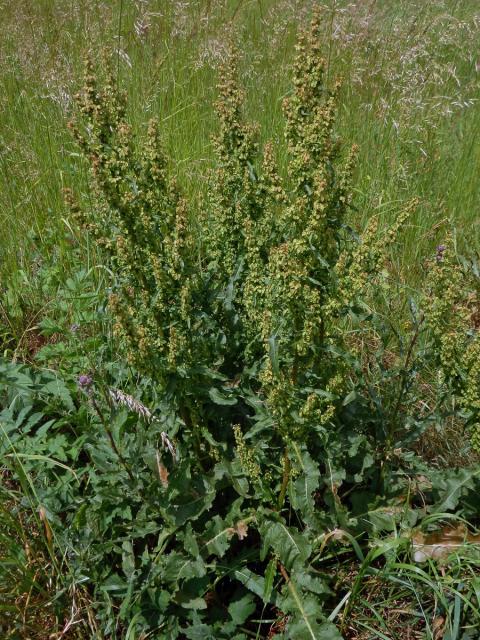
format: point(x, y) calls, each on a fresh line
point(286, 478)
point(186, 416)
point(398, 404)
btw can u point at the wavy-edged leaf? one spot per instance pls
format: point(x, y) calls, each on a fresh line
point(452, 486)
point(269, 578)
point(298, 630)
point(199, 632)
point(177, 566)
point(252, 581)
point(58, 389)
point(289, 545)
point(314, 584)
point(240, 610)
point(301, 490)
point(218, 537)
point(307, 617)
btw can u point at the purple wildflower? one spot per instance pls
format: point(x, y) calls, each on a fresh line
point(440, 250)
point(85, 381)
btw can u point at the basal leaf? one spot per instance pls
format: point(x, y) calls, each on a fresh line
point(451, 485)
point(309, 582)
point(199, 632)
point(240, 610)
point(305, 613)
point(198, 604)
point(252, 581)
point(299, 630)
point(177, 566)
point(217, 536)
point(288, 544)
point(269, 578)
point(58, 389)
point(191, 506)
point(190, 542)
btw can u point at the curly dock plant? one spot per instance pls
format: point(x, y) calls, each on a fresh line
point(252, 326)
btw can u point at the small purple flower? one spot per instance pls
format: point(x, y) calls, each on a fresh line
point(440, 250)
point(85, 381)
point(74, 328)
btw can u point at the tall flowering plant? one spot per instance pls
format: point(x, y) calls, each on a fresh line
point(291, 396)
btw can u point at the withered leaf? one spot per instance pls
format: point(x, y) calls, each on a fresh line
point(162, 472)
point(438, 545)
point(241, 530)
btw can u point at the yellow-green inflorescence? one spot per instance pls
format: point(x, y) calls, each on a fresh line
point(280, 271)
point(233, 184)
point(299, 276)
point(140, 218)
point(453, 303)
point(246, 456)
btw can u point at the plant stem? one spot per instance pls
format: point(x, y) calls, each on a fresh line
point(404, 377)
point(286, 477)
point(398, 404)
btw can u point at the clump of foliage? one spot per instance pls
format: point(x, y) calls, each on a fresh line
point(271, 430)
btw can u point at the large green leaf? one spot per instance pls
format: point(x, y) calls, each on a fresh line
point(219, 398)
point(312, 583)
point(451, 486)
point(298, 629)
point(177, 566)
point(189, 497)
point(302, 488)
point(307, 619)
point(252, 581)
point(199, 632)
point(240, 610)
point(58, 389)
point(287, 543)
point(217, 537)
point(269, 578)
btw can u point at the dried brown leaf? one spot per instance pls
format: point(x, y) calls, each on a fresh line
point(438, 545)
point(241, 530)
point(163, 472)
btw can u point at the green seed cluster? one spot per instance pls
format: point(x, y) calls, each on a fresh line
point(233, 188)
point(270, 280)
point(138, 215)
point(246, 456)
point(452, 302)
